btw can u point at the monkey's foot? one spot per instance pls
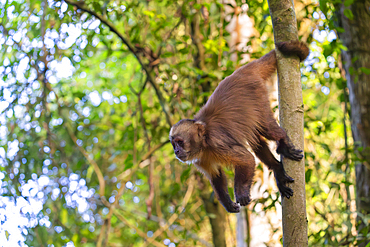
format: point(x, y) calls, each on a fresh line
point(232, 207)
point(281, 182)
point(289, 152)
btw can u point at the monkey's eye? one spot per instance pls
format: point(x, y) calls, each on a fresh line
point(180, 142)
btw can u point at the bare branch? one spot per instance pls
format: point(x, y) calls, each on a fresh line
point(175, 216)
point(140, 232)
point(90, 160)
point(143, 162)
point(169, 35)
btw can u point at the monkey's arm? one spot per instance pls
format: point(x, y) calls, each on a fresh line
point(219, 184)
point(244, 164)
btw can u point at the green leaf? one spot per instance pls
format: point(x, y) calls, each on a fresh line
point(197, 6)
point(128, 165)
point(351, 70)
point(348, 13)
point(328, 50)
point(308, 175)
point(64, 216)
point(340, 29)
point(89, 173)
point(148, 13)
point(365, 70)
point(185, 174)
point(323, 6)
point(347, 3)
point(341, 83)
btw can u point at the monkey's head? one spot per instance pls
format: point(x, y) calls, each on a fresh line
point(187, 139)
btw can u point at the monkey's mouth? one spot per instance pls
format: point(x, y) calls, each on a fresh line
point(183, 157)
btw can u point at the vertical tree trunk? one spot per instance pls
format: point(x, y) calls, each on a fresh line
point(356, 60)
point(291, 119)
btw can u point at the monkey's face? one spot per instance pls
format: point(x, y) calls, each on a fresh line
point(182, 151)
point(186, 140)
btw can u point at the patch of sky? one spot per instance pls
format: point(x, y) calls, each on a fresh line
point(325, 90)
point(95, 98)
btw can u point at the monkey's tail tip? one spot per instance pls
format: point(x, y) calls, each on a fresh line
point(294, 47)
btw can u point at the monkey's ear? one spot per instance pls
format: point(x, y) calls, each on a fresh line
point(201, 126)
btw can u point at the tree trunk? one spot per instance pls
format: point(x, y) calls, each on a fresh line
point(215, 211)
point(217, 218)
point(356, 60)
point(291, 119)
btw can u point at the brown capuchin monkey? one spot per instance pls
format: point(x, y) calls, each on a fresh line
point(238, 115)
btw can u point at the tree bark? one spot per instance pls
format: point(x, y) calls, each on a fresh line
point(356, 60)
point(291, 120)
point(217, 219)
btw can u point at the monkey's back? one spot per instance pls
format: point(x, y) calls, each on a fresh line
point(236, 111)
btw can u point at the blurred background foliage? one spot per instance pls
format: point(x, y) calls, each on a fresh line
point(89, 90)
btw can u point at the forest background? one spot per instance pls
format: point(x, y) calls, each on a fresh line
point(89, 90)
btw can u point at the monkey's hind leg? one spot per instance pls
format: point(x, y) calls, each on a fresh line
point(219, 184)
point(282, 179)
point(285, 148)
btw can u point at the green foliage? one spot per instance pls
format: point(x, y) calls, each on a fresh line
point(77, 99)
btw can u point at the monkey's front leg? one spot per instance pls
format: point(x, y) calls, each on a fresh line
point(244, 171)
point(219, 184)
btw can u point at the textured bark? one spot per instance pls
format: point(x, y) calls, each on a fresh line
point(291, 120)
point(357, 39)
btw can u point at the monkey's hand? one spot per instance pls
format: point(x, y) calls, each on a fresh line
point(243, 198)
point(232, 207)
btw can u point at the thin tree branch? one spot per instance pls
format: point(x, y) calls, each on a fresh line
point(149, 200)
point(82, 6)
point(119, 194)
point(92, 162)
point(196, 37)
point(221, 34)
point(127, 176)
point(174, 217)
point(143, 159)
point(140, 232)
point(101, 234)
point(179, 228)
point(169, 35)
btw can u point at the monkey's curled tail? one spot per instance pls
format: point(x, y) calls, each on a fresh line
point(294, 48)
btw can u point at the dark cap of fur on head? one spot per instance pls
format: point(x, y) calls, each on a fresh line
point(183, 122)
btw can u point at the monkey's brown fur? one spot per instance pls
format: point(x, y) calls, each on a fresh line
point(238, 113)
